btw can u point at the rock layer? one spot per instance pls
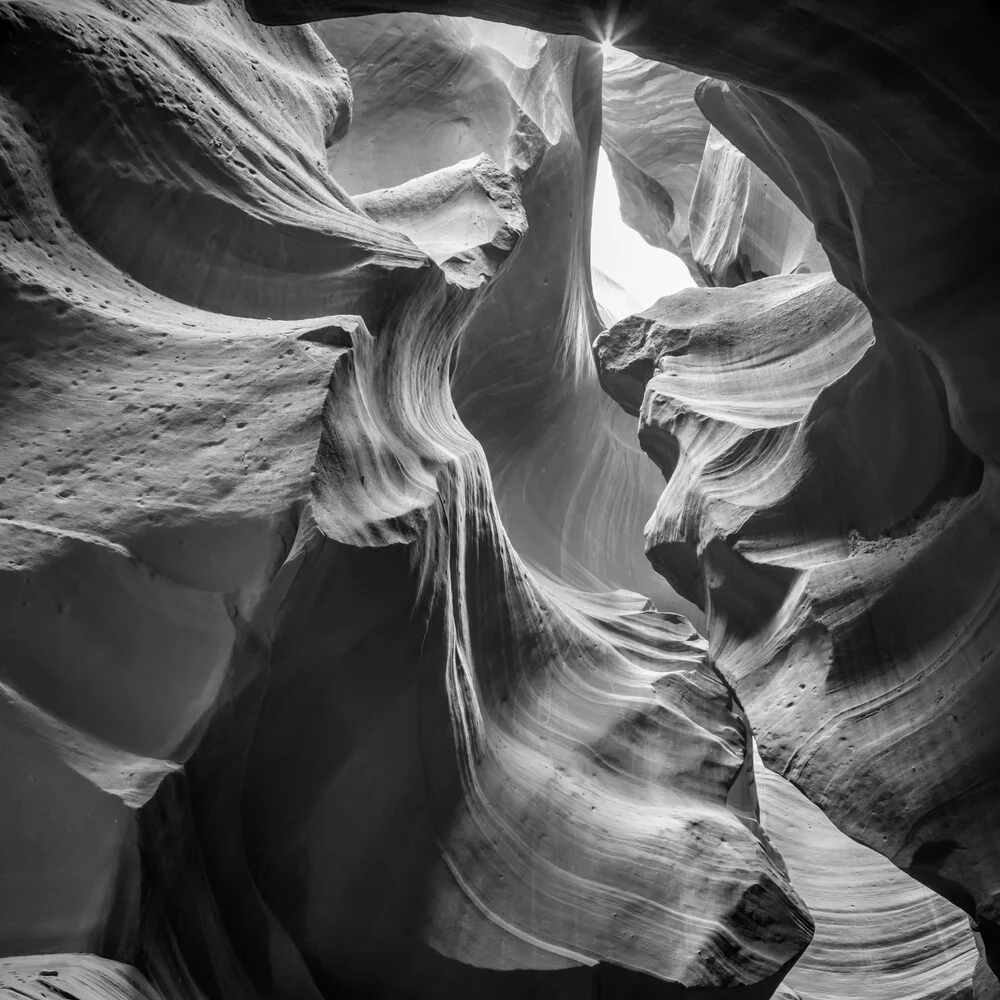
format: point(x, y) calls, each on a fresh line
point(655, 135)
point(80, 977)
point(882, 130)
point(880, 935)
point(687, 189)
point(524, 383)
point(253, 538)
point(278, 643)
point(743, 226)
point(746, 420)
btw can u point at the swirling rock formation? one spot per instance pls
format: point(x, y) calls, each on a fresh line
point(286, 711)
point(687, 189)
point(427, 92)
point(880, 935)
point(866, 119)
point(40, 977)
point(743, 226)
point(153, 451)
point(525, 383)
point(655, 135)
point(249, 536)
point(741, 395)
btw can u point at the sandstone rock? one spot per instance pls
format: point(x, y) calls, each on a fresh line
point(686, 188)
point(743, 226)
point(79, 977)
point(655, 135)
point(155, 453)
point(754, 402)
point(880, 128)
point(285, 709)
point(427, 93)
point(524, 383)
point(880, 935)
point(276, 589)
point(133, 529)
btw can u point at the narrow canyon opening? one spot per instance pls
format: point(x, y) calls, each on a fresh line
point(628, 274)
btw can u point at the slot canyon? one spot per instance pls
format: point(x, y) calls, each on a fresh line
point(412, 586)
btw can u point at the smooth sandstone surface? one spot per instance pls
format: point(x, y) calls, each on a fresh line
point(655, 137)
point(743, 226)
point(881, 129)
point(524, 384)
point(525, 738)
point(741, 459)
point(330, 662)
point(880, 935)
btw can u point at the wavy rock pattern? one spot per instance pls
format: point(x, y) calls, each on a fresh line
point(882, 130)
point(281, 699)
point(687, 189)
point(743, 226)
point(810, 601)
point(827, 967)
point(427, 92)
point(524, 383)
point(153, 452)
point(80, 977)
point(738, 413)
point(655, 135)
point(250, 531)
point(880, 935)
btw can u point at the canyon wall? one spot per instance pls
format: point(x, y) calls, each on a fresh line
point(882, 130)
point(334, 666)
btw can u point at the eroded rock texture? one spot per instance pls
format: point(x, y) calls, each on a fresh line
point(655, 136)
point(525, 383)
point(865, 119)
point(750, 424)
point(880, 934)
point(315, 502)
point(250, 536)
point(689, 190)
point(743, 226)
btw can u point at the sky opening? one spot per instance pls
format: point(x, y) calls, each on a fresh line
point(628, 274)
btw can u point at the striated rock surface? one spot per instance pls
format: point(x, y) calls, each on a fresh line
point(655, 135)
point(743, 409)
point(294, 697)
point(79, 977)
point(687, 189)
point(426, 95)
point(882, 130)
point(743, 226)
point(524, 382)
point(880, 935)
point(153, 452)
point(316, 678)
